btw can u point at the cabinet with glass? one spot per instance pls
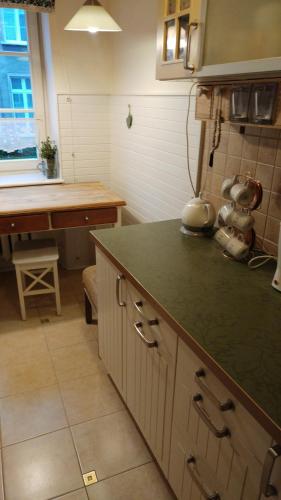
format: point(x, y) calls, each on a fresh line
point(178, 23)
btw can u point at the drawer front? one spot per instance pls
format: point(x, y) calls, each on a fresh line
point(91, 217)
point(24, 223)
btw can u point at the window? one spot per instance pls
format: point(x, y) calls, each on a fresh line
point(14, 27)
point(21, 91)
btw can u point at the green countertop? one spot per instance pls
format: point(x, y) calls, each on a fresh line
point(233, 313)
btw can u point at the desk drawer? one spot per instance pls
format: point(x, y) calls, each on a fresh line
point(91, 217)
point(24, 223)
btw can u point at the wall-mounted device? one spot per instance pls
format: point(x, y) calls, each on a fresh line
point(239, 108)
point(253, 103)
point(263, 98)
point(276, 283)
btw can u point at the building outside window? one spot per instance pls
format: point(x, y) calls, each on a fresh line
point(21, 91)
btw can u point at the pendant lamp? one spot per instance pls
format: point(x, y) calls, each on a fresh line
point(92, 17)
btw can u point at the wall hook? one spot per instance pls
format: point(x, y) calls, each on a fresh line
point(129, 119)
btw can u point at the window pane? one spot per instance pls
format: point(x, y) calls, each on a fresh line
point(14, 78)
point(13, 30)
point(18, 139)
point(185, 4)
point(170, 45)
point(171, 7)
point(184, 20)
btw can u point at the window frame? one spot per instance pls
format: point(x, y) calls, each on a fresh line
point(36, 70)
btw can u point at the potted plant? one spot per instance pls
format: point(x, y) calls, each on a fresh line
point(48, 152)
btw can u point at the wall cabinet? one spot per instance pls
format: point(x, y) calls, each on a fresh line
point(207, 444)
point(213, 39)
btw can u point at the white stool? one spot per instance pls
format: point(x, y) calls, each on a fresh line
point(34, 260)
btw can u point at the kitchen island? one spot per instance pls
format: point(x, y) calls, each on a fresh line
point(228, 315)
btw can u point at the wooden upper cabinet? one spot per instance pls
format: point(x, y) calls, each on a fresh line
point(218, 39)
point(178, 40)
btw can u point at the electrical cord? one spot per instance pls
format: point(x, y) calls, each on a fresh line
point(187, 138)
point(263, 258)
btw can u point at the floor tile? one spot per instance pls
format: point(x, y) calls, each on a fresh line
point(26, 375)
point(21, 342)
point(69, 332)
point(31, 414)
point(89, 397)
point(75, 495)
point(41, 468)
point(77, 361)
point(143, 483)
point(109, 445)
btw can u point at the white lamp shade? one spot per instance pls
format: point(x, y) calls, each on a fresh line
point(92, 17)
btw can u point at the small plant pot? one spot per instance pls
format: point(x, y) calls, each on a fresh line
point(51, 169)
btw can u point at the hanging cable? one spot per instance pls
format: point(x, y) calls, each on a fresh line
point(187, 138)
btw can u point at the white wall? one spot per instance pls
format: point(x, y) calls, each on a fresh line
point(146, 164)
point(82, 61)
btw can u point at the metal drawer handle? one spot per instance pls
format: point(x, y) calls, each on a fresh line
point(219, 433)
point(149, 343)
point(227, 405)
point(191, 28)
point(213, 496)
point(119, 278)
point(151, 322)
point(268, 489)
point(86, 218)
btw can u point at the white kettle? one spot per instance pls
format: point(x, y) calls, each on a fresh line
point(198, 217)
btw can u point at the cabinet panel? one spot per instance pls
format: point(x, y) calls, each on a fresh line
point(111, 321)
point(232, 465)
point(150, 376)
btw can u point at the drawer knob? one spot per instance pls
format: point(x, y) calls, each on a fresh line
point(13, 224)
point(86, 218)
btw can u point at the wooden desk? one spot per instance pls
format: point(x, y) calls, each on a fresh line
point(40, 208)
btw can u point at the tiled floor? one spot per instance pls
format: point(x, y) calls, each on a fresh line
point(60, 414)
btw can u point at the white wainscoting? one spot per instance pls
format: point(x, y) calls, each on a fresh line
point(146, 164)
point(84, 128)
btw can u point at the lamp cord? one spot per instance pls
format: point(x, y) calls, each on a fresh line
point(187, 138)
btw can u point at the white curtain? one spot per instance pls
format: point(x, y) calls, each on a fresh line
point(17, 134)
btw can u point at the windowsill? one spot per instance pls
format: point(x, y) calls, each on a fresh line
point(26, 179)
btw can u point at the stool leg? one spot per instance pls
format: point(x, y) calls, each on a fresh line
point(20, 292)
point(57, 288)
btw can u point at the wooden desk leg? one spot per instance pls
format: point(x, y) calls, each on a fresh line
point(119, 217)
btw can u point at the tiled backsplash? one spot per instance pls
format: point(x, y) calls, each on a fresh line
point(257, 152)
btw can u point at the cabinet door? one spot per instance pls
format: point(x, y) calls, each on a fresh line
point(150, 375)
point(180, 37)
point(111, 319)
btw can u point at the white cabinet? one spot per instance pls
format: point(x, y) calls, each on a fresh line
point(111, 317)
point(151, 360)
point(214, 450)
point(214, 39)
point(140, 357)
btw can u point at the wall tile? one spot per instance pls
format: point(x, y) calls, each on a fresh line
point(235, 144)
point(275, 205)
point(267, 151)
point(233, 164)
point(272, 230)
point(264, 174)
point(248, 167)
point(276, 185)
point(219, 163)
point(260, 152)
point(250, 149)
